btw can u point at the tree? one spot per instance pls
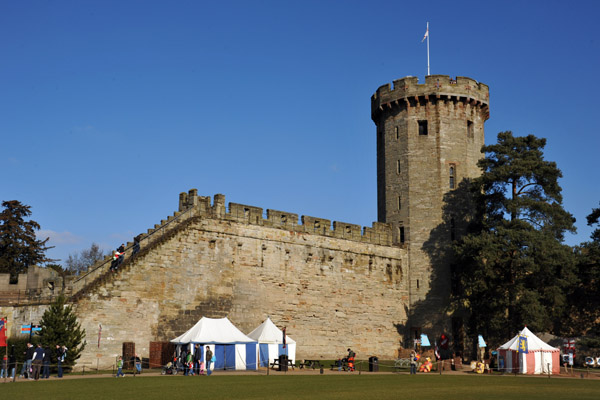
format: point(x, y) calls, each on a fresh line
point(512, 268)
point(60, 327)
point(19, 247)
point(585, 298)
point(79, 262)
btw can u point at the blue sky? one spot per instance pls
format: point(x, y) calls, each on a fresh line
point(110, 109)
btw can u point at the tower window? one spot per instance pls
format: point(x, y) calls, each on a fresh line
point(402, 238)
point(423, 127)
point(397, 134)
point(399, 203)
point(398, 166)
point(470, 129)
point(452, 176)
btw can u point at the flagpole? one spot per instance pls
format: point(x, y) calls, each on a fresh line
point(428, 72)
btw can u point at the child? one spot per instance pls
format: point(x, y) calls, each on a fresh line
point(201, 367)
point(120, 367)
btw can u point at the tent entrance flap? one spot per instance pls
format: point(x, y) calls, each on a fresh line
point(264, 354)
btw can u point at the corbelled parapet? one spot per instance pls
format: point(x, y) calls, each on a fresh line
point(195, 205)
point(407, 91)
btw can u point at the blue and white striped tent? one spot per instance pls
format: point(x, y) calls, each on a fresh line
point(231, 348)
point(270, 342)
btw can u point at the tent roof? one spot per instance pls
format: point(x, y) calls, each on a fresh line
point(268, 332)
point(213, 330)
point(533, 342)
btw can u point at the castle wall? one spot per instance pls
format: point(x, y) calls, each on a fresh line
point(330, 292)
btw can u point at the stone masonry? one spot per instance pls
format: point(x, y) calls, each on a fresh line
point(429, 139)
point(333, 285)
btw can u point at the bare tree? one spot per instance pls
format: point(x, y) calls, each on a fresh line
point(80, 261)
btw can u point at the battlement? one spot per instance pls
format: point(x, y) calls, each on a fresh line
point(408, 89)
point(379, 233)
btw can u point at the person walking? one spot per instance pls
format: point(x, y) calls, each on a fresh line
point(38, 358)
point(120, 367)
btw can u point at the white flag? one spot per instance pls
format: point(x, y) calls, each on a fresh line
point(426, 34)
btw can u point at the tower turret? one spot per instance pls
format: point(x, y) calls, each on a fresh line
point(429, 138)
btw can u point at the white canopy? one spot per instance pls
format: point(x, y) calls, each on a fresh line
point(267, 332)
point(213, 330)
point(534, 343)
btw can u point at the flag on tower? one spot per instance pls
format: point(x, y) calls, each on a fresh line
point(426, 33)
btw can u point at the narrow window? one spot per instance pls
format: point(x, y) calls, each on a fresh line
point(423, 127)
point(401, 234)
point(399, 202)
point(398, 166)
point(470, 129)
point(397, 134)
point(451, 176)
point(417, 283)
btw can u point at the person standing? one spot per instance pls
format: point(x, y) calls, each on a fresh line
point(61, 353)
point(197, 358)
point(12, 362)
point(190, 363)
point(46, 363)
point(26, 369)
point(413, 362)
point(138, 363)
point(38, 357)
point(209, 355)
point(4, 367)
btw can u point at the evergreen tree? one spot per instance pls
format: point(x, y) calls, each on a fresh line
point(19, 248)
point(585, 298)
point(512, 268)
point(60, 327)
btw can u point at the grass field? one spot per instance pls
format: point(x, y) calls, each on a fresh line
point(365, 386)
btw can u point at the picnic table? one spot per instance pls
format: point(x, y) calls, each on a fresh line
point(311, 364)
point(275, 363)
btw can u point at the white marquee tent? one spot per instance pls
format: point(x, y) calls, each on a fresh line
point(231, 348)
point(541, 358)
point(270, 342)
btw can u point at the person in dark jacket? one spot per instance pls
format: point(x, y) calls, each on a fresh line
point(26, 369)
point(197, 358)
point(12, 362)
point(38, 357)
point(46, 363)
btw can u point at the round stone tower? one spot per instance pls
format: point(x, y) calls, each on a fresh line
point(429, 139)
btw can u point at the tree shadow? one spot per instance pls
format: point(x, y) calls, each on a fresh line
point(433, 313)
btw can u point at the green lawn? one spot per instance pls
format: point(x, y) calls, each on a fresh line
point(347, 386)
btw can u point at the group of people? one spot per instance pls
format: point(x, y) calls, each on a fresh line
point(37, 362)
point(347, 361)
point(135, 361)
point(194, 363)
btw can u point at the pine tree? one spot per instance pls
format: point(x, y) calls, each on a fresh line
point(19, 247)
point(513, 269)
point(60, 327)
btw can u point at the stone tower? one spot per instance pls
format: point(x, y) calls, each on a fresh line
point(429, 138)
